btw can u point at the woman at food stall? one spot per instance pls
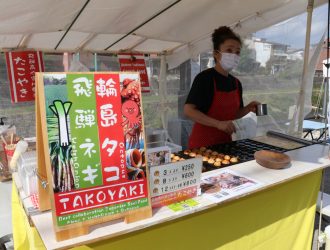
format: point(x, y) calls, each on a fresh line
point(215, 98)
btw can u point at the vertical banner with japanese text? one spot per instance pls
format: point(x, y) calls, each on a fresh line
point(84, 129)
point(108, 103)
point(136, 63)
point(96, 144)
point(21, 68)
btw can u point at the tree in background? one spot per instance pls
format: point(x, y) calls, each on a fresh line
point(292, 69)
point(247, 63)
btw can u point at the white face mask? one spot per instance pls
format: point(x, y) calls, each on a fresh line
point(229, 61)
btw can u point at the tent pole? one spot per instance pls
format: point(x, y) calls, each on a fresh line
point(326, 86)
point(164, 110)
point(95, 62)
point(325, 107)
point(325, 93)
point(301, 102)
point(162, 89)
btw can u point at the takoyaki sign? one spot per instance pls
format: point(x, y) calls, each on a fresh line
point(96, 144)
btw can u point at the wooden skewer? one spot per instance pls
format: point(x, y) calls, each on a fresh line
point(4, 141)
point(11, 138)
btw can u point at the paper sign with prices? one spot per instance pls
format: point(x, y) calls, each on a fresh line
point(96, 145)
point(135, 63)
point(175, 182)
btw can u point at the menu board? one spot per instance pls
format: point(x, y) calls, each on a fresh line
point(175, 182)
point(94, 126)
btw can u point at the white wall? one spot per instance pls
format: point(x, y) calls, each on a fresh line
point(263, 52)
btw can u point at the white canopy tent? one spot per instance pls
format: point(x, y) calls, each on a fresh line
point(175, 29)
point(179, 29)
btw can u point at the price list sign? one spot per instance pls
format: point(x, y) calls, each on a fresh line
point(95, 144)
point(175, 182)
point(136, 63)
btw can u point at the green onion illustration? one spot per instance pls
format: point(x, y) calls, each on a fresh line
point(61, 110)
point(60, 147)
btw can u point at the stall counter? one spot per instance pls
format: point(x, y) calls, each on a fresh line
point(279, 214)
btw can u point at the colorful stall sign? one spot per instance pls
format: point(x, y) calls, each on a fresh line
point(136, 63)
point(175, 182)
point(21, 68)
point(96, 144)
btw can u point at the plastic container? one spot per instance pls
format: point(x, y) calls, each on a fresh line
point(174, 147)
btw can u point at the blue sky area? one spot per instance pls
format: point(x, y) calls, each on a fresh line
point(293, 30)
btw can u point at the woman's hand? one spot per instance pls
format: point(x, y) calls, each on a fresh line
point(252, 106)
point(226, 126)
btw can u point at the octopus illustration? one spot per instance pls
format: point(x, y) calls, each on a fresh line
point(132, 123)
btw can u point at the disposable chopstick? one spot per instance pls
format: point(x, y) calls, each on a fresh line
point(4, 141)
point(11, 138)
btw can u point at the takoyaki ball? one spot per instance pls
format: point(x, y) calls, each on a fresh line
point(217, 164)
point(214, 153)
point(172, 156)
point(218, 159)
point(199, 155)
point(233, 160)
point(202, 149)
point(227, 157)
point(211, 161)
point(221, 155)
point(187, 152)
point(192, 154)
point(208, 151)
point(225, 162)
point(205, 158)
point(182, 159)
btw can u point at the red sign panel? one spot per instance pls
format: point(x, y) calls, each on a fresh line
point(169, 198)
point(92, 198)
point(111, 134)
point(21, 67)
point(136, 63)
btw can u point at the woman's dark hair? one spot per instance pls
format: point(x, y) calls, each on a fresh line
point(221, 34)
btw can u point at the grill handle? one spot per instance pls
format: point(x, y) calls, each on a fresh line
point(290, 138)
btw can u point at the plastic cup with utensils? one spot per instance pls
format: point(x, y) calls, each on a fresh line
point(10, 150)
